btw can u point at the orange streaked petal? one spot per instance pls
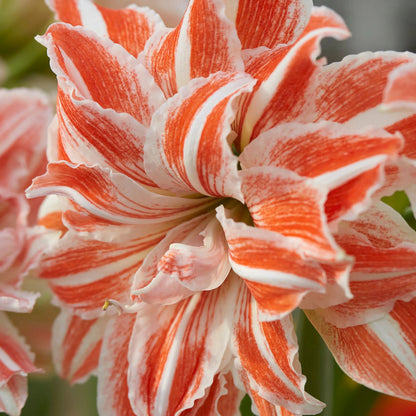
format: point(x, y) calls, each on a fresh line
point(112, 389)
point(273, 266)
point(101, 71)
point(205, 42)
point(401, 88)
point(176, 350)
point(222, 399)
point(76, 345)
point(380, 354)
point(384, 248)
point(352, 90)
point(284, 20)
point(92, 135)
point(84, 271)
point(318, 151)
point(112, 196)
point(190, 147)
point(130, 27)
point(282, 201)
point(284, 76)
point(267, 360)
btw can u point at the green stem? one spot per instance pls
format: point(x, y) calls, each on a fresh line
point(317, 363)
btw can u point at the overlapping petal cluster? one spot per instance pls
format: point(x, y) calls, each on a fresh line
point(210, 179)
point(24, 117)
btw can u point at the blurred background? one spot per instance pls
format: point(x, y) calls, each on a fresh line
point(375, 25)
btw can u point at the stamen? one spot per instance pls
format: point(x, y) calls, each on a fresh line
point(116, 304)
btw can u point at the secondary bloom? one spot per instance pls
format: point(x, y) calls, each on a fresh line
point(24, 117)
point(210, 179)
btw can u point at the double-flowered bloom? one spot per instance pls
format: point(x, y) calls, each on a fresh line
point(209, 179)
point(24, 117)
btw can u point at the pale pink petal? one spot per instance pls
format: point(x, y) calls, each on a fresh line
point(24, 116)
point(13, 300)
point(13, 223)
point(205, 42)
point(384, 248)
point(284, 76)
point(273, 266)
point(130, 27)
point(281, 201)
point(380, 354)
point(284, 20)
point(112, 389)
point(112, 196)
point(175, 351)
point(192, 257)
point(101, 71)
point(76, 345)
point(266, 359)
point(190, 148)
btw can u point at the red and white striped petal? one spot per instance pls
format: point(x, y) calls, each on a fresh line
point(13, 223)
point(384, 248)
point(76, 345)
point(176, 351)
point(190, 148)
point(263, 407)
point(191, 258)
point(318, 151)
point(337, 288)
point(113, 196)
point(406, 126)
point(400, 100)
point(89, 134)
point(101, 71)
point(83, 271)
point(266, 359)
point(13, 300)
point(15, 355)
point(380, 354)
point(284, 76)
point(203, 43)
point(352, 90)
point(13, 395)
point(400, 175)
point(24, 116)
point(171, 12)
point(112, 389)
point(273, 267)
point(130, 27)
point(222, 399)
point(281, 201)
point(401, 87)
point(284, 20)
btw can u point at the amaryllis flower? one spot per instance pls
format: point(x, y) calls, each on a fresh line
point(24, 117)
point(206, 181)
